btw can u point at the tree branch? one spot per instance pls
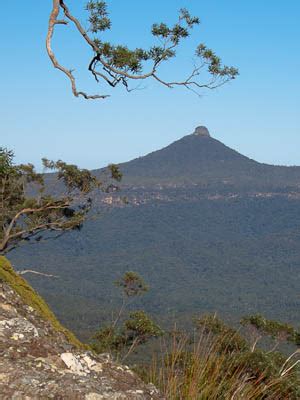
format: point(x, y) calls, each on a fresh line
point(30, 271)
point(52, 22)
point(119, 73)
point(132, 347)
point(7, 232)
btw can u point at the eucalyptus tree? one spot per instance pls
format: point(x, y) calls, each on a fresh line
point(117, 64)
point(32, 203)
point(121, 338)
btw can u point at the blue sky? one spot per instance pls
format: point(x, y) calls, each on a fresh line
point(258, 114)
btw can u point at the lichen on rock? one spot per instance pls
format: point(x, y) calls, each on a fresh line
point(39, 361)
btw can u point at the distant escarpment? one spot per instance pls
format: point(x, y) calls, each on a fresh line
point(42, 360)
point(208, 228)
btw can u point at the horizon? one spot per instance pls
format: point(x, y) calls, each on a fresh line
point(211, 136)
point(260, 119)
point(150, 200)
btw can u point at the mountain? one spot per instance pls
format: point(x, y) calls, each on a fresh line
point(209, 229)
point(200, 159)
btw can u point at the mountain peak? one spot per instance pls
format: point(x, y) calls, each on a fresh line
point(195, 158)
point(201, 131)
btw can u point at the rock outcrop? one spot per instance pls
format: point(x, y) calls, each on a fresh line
point(38, 361)
point(202, 131)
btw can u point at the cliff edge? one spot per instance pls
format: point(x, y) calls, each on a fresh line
point(40, 359)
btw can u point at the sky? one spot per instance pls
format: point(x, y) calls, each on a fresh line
point(258, 114)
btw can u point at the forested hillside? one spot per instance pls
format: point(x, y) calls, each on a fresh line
point(207, 228)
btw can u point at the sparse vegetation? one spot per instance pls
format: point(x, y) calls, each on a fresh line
point(238, 239)
point(210, 228)
point(29, 207)
point(124, 335)
point(260, 327)
point(217, 363)
point(32, 299)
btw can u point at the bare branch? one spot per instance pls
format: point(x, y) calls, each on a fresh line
point(52, 22)
point(30, 271)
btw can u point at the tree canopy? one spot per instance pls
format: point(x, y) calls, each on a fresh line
point(31, 203)
point(116, 64)
point(132, 332)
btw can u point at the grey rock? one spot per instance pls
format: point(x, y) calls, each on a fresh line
point(37, 362)
point(202, 131)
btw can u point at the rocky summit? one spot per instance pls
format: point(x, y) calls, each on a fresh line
point(202, 131)
point(38, 361)
point(180, 218)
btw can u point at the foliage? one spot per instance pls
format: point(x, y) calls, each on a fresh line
point(108, 339)
point(118, 64)
point(204, 365)
point(124, 60)
point(211, 366)
point(208, 228)
point(28, 206)
point(122, 339)
point(260, 327)
point(139, 328)
point(232, 340)
point(132, 284)
point(32, 299)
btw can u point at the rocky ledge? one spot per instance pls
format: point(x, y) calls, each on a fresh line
point(38, 362)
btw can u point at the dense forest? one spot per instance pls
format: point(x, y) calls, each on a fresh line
point(204, 243)
point(182, 264)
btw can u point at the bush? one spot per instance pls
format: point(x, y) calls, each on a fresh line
point(218, 364)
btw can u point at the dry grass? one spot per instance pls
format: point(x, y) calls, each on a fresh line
point(207, 370)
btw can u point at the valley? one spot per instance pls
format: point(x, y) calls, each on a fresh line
point(208, 229)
